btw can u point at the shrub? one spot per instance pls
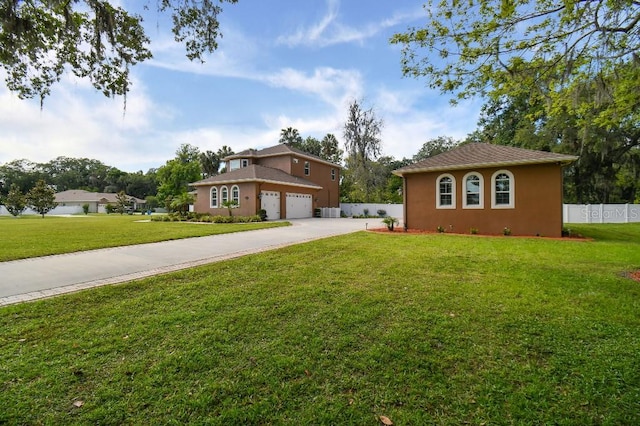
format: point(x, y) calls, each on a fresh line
point(85, 208)
point(440, 229)
point(390, 222)
point(382, 213)
point(473, 231)
point(506, 231)
point(366, 212)
point(109, 208)
point(263, 214)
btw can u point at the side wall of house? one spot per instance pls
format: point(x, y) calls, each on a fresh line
point(248, 200)
point(537, 206)
point(320, 174)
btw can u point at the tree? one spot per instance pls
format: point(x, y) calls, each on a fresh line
point(330, 149)
point(176, 175)
point(363, 145)
point(466, 47)
point(210, 163)
point(230, 205)
point(122, 202)
point(435, 146)
point(93, 39)
point(291, 137)
point(15, 202)
point(222, 153)
point(180, 203)
point(41, 198)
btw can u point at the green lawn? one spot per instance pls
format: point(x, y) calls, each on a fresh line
point(31, 236)
point(422, 329)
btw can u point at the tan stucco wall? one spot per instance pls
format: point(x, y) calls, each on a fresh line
point(537, 209)
point(248, 200)
point(320, 174)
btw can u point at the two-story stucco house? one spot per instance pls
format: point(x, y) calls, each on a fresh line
point(284, 181)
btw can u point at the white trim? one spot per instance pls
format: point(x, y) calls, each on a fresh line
point(512, 191)
point(237, 181)
point(464, 191)
point(213, 206)
point(453, 192)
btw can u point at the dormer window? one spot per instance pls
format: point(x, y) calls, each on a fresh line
point(236, 164)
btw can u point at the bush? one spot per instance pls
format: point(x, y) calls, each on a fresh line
point(109, 208)
point(366, 212)
point(263, 214)
point(440, 229)
point(506, 231)
point(85, 208)
point(390, 222)
point(473, 231)
point(382, 213)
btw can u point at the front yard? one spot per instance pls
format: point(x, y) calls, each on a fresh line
point(421, 329)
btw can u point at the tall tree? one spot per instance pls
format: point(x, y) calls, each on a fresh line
point(210, 163)
point(176, 175)
point(41, 198)
point(330, 149)
point(435, 146)
point(291, 137)
point(363, 145)
point(94, 39)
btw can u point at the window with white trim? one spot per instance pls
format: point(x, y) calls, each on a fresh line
point(446, 192)
point(224, 195)
point(214, 197)
point(235, 194)
point(473, 197)
point(502, 190)
point(307, 168)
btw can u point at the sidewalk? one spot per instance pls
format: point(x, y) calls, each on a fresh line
point(36, 278)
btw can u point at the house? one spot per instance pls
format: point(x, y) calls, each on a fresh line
point(97, 201)
point(487, 188)
point(284, 181)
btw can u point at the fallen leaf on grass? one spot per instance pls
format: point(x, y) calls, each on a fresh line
point(78, 403)
point(386, 421)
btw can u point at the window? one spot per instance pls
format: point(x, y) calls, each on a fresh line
point(307, 168)
point(234, 165)
point(214, 197)
point(224, 195)
point(473, 191)
point(245, 162)
point(502, 190)
point(235, 194)
point(446, 192)
point(333, 174)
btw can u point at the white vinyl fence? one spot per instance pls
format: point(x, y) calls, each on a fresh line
point(59, 210)
point(601, 213)
point(357, 209)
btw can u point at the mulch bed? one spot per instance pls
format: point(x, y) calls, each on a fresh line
point(634, 275)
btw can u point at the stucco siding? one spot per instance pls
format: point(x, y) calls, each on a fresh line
point(537, 203)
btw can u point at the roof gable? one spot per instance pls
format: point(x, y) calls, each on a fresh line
point(483, 155)
point(257, 173)
point(276, 151)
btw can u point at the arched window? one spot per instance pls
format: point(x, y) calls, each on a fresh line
point(214, 197)
point(502, 190)
point(446, 192)
point(224, 195)
point(473, 191)
point(235, 194)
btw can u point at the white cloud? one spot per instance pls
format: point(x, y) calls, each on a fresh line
point(330, 31)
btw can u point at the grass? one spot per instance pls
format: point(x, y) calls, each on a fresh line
point(32, 236)
point(422, 329)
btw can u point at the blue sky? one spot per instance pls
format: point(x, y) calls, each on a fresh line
point(281, 63)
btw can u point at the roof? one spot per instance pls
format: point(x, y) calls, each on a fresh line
point(82, 196)
point(275, 151)
point(257, 173)
point(483, 155)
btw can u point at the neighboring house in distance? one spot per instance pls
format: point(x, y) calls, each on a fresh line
point(486, 187)
point(284, 181)
point(97, 201)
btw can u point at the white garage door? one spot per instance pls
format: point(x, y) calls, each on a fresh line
point(270, 201)
point(299, 205)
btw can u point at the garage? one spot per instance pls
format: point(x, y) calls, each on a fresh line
point(299, 205)
point(270, 202)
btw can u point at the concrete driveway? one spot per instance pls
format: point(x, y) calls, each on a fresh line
point(30, 279)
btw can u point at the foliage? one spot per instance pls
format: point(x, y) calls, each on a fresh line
point(206, 218)
point(109, 208)
point(473, 231)
point(435, 146)
point(263, 214)
point(381, 212)
point(440, 229)
point(176, 175)
point(15, 202)
point(180, 203)
point(230, 205)
point(85, 208)
point(390, 222)
point(122, 202)
point(41, 198)
point(328, 148)
point(313, 333)
point(506, 231)
point(96, 40)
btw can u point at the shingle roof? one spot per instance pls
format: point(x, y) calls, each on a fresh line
point(483, 155)
point(276, 150)
point(257, 173)
point(82, 196)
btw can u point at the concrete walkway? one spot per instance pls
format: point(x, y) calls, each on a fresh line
point(36, 278)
